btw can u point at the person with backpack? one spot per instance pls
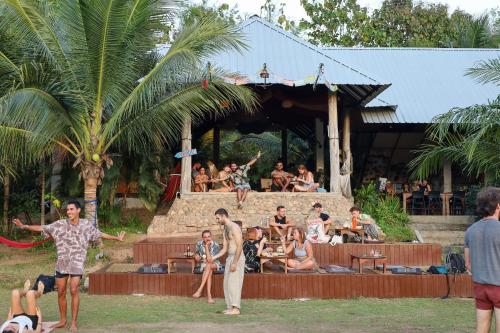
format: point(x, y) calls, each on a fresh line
point(482, 258)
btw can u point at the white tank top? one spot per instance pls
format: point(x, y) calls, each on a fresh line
point(23, 322)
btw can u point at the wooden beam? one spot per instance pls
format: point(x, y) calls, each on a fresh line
point(319, 144)
point(284, 146)
point(347, 166)
point(333, 143)
point(216, 149)
point(186, 161)
point(447, 179)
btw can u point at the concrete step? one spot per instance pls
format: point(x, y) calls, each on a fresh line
point(434, 219)
point(440, 227)
point(444, 238)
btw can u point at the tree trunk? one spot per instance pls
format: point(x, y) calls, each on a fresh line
point(6, 194)
point(90, 199)
point(55, 183)
point(333, 140)
point(42, 196)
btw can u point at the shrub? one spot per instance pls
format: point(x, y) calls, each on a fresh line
point(386, 211)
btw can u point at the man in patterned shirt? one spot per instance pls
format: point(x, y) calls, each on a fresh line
point(72, 237)
point(239, 177)
point(206, 248)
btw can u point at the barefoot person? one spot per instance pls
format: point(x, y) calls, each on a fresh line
point(302, 251)
point(20, 320)
point(235, 262)
point(239, 177)
point(282, 224)
point(71, 237)
point(205, 250)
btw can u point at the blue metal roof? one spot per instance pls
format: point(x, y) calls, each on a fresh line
point(291, 61)
point(426, 82)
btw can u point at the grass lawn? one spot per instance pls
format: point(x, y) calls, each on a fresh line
point(162, 314)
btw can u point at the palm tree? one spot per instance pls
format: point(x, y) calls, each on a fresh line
point(469, 137)
point(78, 79)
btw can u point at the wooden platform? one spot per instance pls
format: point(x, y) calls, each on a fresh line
point(156, 250)
point(277, 285)
point(281, 286)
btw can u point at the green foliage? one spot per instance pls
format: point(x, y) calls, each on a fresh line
point(386, 211)
point(397, 23)
point(469, 137)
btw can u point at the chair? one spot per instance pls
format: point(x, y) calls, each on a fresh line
point(418, 202)
point(435, 204)
point(265, 184)
point(457, 205)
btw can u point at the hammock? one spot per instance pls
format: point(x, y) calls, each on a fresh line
point(19, 245)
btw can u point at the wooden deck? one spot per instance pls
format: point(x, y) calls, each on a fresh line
point(277, 285)
point(281, 286)
point(153, 251)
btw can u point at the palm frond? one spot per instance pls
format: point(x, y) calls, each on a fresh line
point(487, 71)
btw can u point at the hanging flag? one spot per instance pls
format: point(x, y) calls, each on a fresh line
point(185, 153)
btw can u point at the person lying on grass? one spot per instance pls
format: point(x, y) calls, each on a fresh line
point(20, 320)
point(72, 237)
point(302, 251)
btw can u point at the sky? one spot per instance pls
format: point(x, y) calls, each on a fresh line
point(294, 10)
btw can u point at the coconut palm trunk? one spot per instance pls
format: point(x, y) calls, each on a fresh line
point(42, 196)
point(6, 194)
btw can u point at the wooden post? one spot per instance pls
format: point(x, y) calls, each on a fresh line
point(333, 143)
point(320, 144)
point(284, 147)
point(216, 156)
point(447, 182)
point(346, 153)
point(186, 161)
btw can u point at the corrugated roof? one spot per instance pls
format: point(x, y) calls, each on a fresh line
point(426, 82)
point(289, 58)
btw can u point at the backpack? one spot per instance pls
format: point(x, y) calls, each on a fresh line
point(455, 263)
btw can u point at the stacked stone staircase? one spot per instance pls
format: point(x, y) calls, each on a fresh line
point(194, 212)
point(444, 230)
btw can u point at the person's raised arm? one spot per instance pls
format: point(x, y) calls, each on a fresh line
point(239, 248)
point(32, 228)
point(253, 160)
point(119, 238)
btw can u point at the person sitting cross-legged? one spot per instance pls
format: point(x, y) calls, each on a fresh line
point(20, 320)
point(206, 248)
point(302, 251)
point(201, 181)
point(281, 223)
point(305, 180)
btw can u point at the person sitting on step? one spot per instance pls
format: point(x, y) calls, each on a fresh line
point(206, 248)
point(302, 251)
point(318, 223)
point(221, 182)
point(20, 320)
point(369, 225)
point(305, 180)
point(239, 177)
point(280, 178)
point(201, 181)
point(281, 223)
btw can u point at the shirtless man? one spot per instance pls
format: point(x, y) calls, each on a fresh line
point(72, 237)
point(281, 178)
point(235, 262)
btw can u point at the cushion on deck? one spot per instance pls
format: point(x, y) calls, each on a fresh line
point(334, 269)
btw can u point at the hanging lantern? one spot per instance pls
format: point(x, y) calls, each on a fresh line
point(264, 74)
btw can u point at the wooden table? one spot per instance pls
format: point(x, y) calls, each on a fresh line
point(362, 259)
point(180, 257)
point(283, 258)
point(344, 231)
point(445, 198)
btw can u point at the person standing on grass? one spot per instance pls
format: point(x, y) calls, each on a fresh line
point(235, 262)
point(71, 237)
point(482, 258)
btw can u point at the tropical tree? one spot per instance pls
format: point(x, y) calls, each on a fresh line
point(469, 137)
point(78, 80)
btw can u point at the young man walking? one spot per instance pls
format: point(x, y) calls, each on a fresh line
point(72, 237)
point(482, 258)
point(235, 262)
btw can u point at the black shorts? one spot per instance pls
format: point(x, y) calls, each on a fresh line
point(34, 319)
point(64, 275)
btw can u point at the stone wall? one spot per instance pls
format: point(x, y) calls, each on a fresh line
point(194, 212)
